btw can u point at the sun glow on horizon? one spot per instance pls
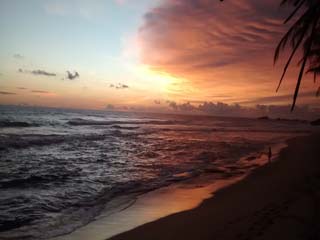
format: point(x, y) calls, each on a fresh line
point(157, 80)
point(141, 54)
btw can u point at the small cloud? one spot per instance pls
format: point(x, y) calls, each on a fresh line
point(7, 93)
point(172, 104)
point(119, 86)
point(21, 88)
point(122, 86)
point(185, 107)
point(110, 107)
point(72, 76)
point(38, 72)
point(237, 110)
point(43, 93)
point(41, 72)
point(39, 91)
point(158, 102)
point(18, 56)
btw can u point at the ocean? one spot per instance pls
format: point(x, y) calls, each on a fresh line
point(59, 168)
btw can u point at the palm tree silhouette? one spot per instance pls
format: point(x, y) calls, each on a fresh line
point(303, 35)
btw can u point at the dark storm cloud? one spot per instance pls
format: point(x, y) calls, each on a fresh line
point(72, 76)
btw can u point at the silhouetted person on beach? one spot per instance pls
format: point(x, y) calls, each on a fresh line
point(269, 155)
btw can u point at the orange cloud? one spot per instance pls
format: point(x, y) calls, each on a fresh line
point(43, 93)
point(218, 48)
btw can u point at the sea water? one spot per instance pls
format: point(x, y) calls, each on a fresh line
point(59, 168)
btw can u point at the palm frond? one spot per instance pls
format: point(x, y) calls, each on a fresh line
point(294, 12)
point(307, 48)
point(289, 61)
point(303, 35)
point(289, 35)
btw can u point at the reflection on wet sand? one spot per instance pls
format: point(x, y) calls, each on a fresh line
point(128, 212)
point(148, 207)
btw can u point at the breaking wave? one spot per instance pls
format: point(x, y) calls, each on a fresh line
point(14, 124)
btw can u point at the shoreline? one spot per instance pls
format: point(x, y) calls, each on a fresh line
point(272, 202)
point(129, 212)
point(145, 208)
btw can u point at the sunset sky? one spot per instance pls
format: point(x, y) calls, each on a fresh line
point(143, 54)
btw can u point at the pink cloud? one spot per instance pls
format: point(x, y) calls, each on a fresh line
point(218, 47)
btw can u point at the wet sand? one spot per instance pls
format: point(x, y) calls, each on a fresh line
point(128, 212)
point(280, 200)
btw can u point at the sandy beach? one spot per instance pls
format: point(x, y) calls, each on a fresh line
point(277, 201)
